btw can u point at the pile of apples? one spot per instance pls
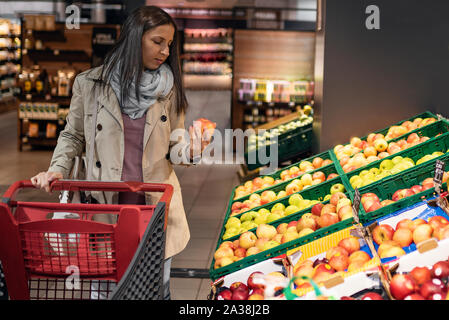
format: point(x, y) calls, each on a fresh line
point(259, 183)
point(356, 154)
point(251, 219)
point(345, 257)
point(267, 236)
point(254, 289)
point(307, 180)
point(359, 153)
point(422, 283)
point(371, 202)
point(387, 168)
point(391, 240)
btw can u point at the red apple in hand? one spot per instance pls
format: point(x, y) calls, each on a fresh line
point(401, 286)
point(382, 232)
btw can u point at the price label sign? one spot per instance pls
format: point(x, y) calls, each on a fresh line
point(356, 205)
point(438, 178)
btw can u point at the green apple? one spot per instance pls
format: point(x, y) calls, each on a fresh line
point(233, 222)
point(278, 207)
point(270, 244)
point(291, 209)
point(273, 217)
point(263, 211)
point(357, 183)
point(303, 204)
point(294, 199)
point(374, 171)
point(249, 225)
point(397, 159)
point(338, 187)
point(363, 173)
point(248, 216)
point(354, 179)
point(386, 164)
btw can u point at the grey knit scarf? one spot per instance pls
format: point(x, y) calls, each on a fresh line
point(154, 84)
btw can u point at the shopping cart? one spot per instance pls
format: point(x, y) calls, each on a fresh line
point(46, 258)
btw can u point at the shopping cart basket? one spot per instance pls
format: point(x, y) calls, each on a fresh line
point(46, 258)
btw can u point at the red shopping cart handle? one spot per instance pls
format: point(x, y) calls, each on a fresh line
point(83, 185)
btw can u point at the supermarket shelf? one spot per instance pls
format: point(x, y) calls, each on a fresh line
point(208, 82)
point(10, 35)
point(56, 35)
point(62, 55)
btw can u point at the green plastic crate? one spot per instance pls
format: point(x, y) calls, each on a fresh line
point(294, 144)
point(439, 143)
point(426, 114)
point(316, 192)
point(386, 188)
point(276, 251)
point(277, 174)
point(328, 169)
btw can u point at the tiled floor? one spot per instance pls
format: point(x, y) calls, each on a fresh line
point(206, 188)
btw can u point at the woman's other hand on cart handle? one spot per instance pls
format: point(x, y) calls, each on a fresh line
point(42, 180)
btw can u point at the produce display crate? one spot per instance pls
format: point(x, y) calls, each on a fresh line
point(316, 192)
point(278, 250)
point(439, 143)
point(292, 144)
point(277, 175)
point(385, 189)
point(426, 114)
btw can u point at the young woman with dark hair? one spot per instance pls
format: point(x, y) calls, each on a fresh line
point(139, 100)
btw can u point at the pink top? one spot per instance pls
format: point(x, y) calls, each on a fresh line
point(132, 161)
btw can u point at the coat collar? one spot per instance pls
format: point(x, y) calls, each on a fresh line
point(109, 101)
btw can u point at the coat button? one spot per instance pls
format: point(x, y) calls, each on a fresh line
point(98, 164)
point(163, 118)
point(99, 127)
point(167, 156)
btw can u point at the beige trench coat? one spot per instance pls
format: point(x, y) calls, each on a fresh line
point(109, 148)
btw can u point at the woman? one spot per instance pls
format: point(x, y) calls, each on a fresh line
point(140, 100)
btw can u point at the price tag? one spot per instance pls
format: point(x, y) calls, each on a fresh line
point(438, 178)
point(356, 205)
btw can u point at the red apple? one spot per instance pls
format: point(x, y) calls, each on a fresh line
point(412, 226)
point(316, 209)
point(403, 236)
point(335, 250)
point(306, 221)
point(238, 285)
point(319, 175)
point(331, 176)
point(335, 197)
point(373, 207)
point(345, 212)
point(402, 285)
point(347, 298)
point(421, 274)
point(431, 287)
point(240, 252)
point(440, 270)
point(359, 255)
point(369, 195)
point(339, 261)
point(240, 294)
point(421, 233)
point(382, 232)
point(437, 222)
point(328, 208)
point(372, 296)
point(317, 162)
point(414, 296)
point(386, 202)
point(416, 189)
point(225, 295)
point(404, 223)
point(327, 219)
point(350, 244)
point(254, 280)
point(256, 296)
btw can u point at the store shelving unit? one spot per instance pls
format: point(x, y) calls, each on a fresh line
point(258, 59)
point(207, 58)
point(10, 57)
point(55, 49)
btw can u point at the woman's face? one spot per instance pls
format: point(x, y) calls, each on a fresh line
point(156, 45)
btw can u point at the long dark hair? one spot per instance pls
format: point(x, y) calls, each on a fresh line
point(128, 50)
